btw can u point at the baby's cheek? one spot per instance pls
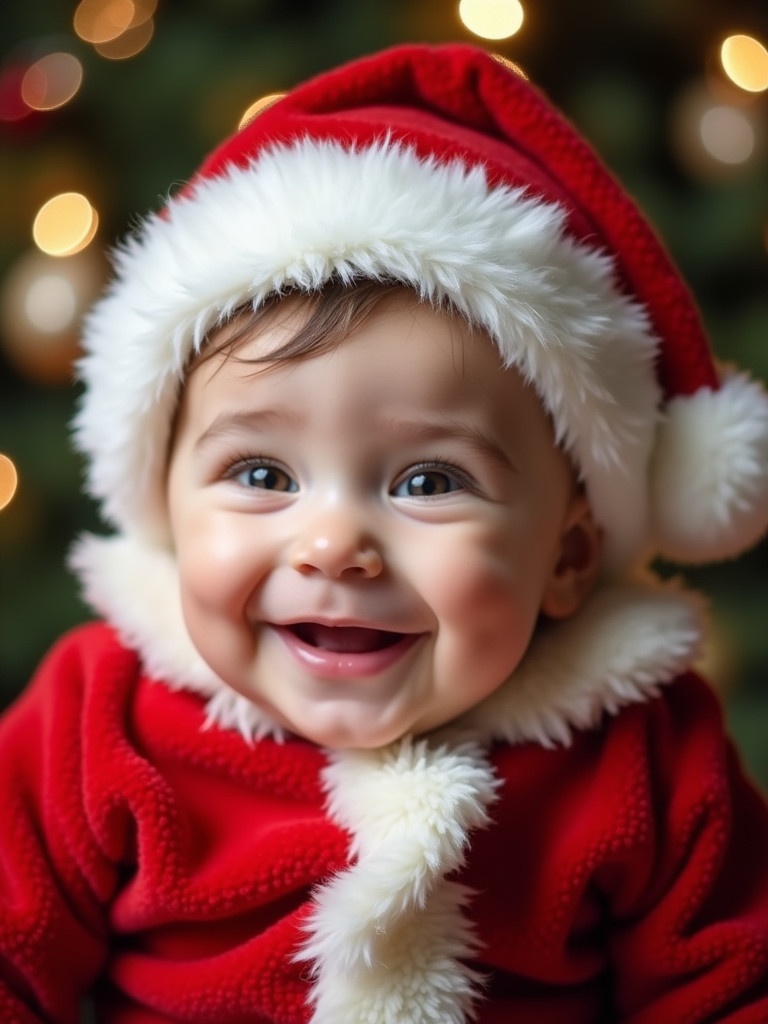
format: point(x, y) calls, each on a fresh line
point(213, 563)
point(474, 570)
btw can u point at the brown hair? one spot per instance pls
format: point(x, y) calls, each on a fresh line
point(330, 314)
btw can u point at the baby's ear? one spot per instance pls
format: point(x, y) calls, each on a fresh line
point(575, 572)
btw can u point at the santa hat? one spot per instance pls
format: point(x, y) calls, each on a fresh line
point(440, 168)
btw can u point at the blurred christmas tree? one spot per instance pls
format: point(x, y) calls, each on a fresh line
point(116, 99)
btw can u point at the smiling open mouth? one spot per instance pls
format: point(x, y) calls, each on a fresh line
point(352, 653)
point(345, 639)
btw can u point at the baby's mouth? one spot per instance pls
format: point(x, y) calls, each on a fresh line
point(345, 639)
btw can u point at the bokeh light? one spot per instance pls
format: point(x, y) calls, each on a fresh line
point(98, 21)
point(9, 480)
point(42, 301)
point(745, 61)
point(117, 29)
point(50, 303)
point(727, 134)
point(256, 108)
point(101, 21)
point(129, 43)
point(713, 140)
point(64, 225)
point(51, 81)
point(492, 19)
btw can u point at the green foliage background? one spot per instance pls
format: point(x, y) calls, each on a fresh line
point(139, 127)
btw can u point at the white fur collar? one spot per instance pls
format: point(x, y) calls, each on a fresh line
point(387, 938)
point(629, 639)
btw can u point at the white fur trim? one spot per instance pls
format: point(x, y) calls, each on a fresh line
point(299, 215)
point(387, 937)
point(710, 473)
point(135, 587)
point(625, 642)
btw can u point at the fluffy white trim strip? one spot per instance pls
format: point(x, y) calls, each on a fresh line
point(298, 216)
point(387, 936)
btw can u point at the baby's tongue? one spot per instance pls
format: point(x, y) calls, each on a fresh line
point(346, 639)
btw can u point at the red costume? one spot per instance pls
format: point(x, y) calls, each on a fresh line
point(173, 867)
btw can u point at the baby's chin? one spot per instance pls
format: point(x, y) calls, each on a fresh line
point(342, 736)
point(348, 729)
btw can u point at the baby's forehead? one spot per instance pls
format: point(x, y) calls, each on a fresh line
point(433, 355)
point(289, 326)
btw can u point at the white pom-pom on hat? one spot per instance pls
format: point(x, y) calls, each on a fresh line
point(709, 472)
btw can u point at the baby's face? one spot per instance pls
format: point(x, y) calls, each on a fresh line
point(367, 537)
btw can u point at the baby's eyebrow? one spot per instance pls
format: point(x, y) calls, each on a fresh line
point(427, 431)
point(236, 421)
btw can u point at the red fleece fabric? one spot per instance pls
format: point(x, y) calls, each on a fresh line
point(166, 869)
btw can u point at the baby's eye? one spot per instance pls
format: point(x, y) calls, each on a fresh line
point(427, 483)
point(265, 477)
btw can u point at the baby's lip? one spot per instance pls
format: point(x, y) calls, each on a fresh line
point(342, 652)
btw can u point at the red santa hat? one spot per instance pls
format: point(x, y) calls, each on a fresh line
point(441, 168)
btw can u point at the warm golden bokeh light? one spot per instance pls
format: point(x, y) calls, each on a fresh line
point(50, 304)
point(9, 479)
point(492, 19)
point(745, 61)
point(64, 225)
point(727, 134)
point(129, 43)
point(714, 141)
point(42, 302)
point(118, 29)
point(99, 21)
point(256, 108)
point(51, 81)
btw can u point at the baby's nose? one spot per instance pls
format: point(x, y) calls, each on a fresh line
point(335, 545)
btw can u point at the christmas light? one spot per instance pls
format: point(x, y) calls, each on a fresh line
point(65, 224)
point(117, 28)
point(99, 21)
point(42, 301)
point(129, 43)
point(256, 108)
point(745, 61)
point(727, 134)
point(50, 304)
point(51, 81)
point(9, 479)
point(713, 140)
point(492, 19)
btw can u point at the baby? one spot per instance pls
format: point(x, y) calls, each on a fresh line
point(385, 719)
